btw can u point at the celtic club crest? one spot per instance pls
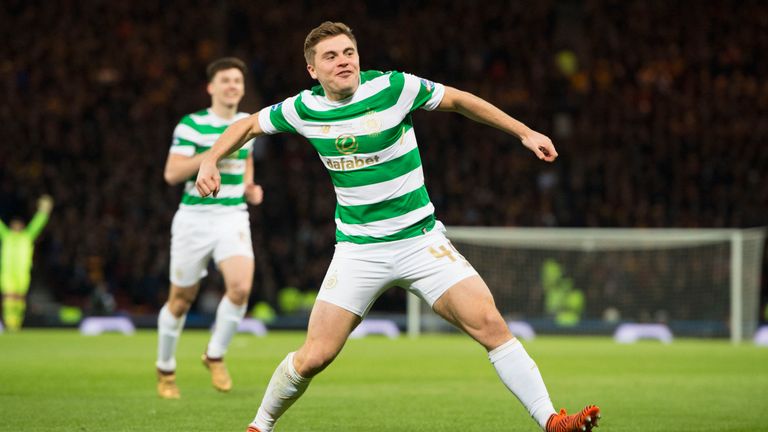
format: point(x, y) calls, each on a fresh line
point(346, 144)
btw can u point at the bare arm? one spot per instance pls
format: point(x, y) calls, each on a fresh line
point(236, 135)
point(482, 111)
point(179, 168)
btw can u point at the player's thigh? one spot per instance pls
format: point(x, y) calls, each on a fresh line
point(238, 277)
point(357, 276)
point(469, 305)
point(191, 248)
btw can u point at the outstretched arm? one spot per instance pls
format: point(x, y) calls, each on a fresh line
point(482, 111)
point(237, 134)
point(44, 207)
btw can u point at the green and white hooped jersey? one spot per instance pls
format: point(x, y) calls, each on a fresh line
point(195, 134)
point(368, 145)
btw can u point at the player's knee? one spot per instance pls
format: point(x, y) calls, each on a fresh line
point(314, 361)
point(489, 323)
point(238, 292)
point(179, 305)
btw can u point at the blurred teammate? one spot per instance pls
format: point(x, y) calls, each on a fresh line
point(387, 234)
point(210, 227)
point(18, 246)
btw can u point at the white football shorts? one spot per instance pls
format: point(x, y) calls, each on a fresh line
point(426, 265)
point(198, 236)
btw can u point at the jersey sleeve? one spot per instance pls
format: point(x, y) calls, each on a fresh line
point(37, 224)
point(425, 93)
point(184, 140)
point(3, 230)
point(273, 119)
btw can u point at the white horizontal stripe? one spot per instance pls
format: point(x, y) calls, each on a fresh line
point(383, 191)
point(225, 191)
point(231, 166)
point(404, 145)
point(366, 90)
point(386, 227)
point(184, 150)
point(188, 133)
point(211, 119)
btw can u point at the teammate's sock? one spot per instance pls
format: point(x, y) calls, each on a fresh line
point(285, 387)
point(21, 308)
point(168, 332)
point(522, 377)
point(10, 317)
point(228, 317)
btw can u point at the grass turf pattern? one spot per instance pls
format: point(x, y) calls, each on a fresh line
point(58, 380)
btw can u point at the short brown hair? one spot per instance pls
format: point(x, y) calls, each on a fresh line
point(225, 63)
point(324, 31)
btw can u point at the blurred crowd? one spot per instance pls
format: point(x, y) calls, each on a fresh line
point(659, 111)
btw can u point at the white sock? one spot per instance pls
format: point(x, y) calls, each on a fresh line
point(228, 317)
point(168, 332)
point(285, 387)
point(522, 377)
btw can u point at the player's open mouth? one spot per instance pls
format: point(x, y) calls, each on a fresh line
point(344, 74)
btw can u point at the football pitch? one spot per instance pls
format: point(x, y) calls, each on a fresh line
point(58, 380)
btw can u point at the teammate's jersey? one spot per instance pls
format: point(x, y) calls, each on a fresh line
point(195, 134)
point(368, 145)
point(17, 247)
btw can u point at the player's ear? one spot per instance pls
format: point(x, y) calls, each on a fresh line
point(311, 70)
point(209, 88)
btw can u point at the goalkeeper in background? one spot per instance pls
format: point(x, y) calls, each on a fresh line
point(18, 245)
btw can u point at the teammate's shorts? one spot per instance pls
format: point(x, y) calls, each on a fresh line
point(198, 236)
point(426, 265)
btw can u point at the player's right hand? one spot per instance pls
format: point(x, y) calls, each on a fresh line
point(208, 179)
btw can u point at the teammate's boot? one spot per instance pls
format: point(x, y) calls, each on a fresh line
point(252, 428)
point(219, 375)
point(166, 385)
point(583, 421)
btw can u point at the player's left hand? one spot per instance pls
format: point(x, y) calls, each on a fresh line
point(541, 145)
point(254, 194)
point(45, 204)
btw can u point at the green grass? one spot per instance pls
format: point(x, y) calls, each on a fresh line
point(61, 381)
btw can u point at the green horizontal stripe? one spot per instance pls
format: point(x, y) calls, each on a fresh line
point(237, 154)
point(377, 173)
point(193, 200)
point(382, 100)
point(365, 143)
point(231, 179)
point(202, 128)
point(183, 142)
point(422, 97)
point(361, 214)
point(226, 179)
point(419, 228)
point(278, 119)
